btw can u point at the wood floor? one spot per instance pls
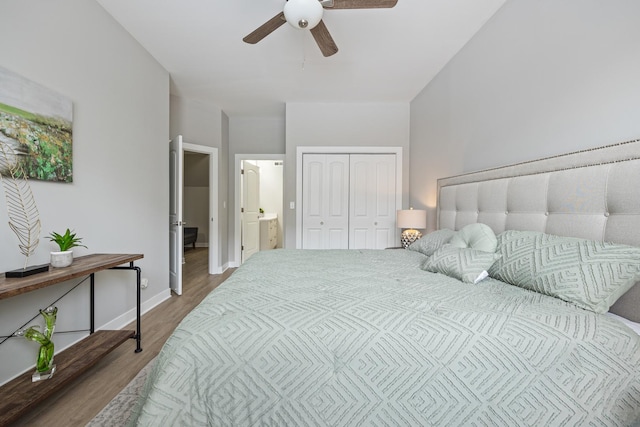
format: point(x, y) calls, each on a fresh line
point(85, 397)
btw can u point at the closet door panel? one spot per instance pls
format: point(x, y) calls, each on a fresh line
point(325, 201)
point(373, 198)
point(359, 238)
point(336, 217)
point(313, 238)
point(385, 176)
point(348, 201)
point(382, 237)
point(360, 199)
point(313, 188)
point(337, 238)
point(338, 197)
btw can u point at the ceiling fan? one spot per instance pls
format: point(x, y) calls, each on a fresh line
point(307, 15)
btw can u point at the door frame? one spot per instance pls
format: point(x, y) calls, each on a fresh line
point(215, 260)
point(301, 150)
point(237, 197)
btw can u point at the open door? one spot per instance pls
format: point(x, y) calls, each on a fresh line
point(250, 210)
point(176, 165)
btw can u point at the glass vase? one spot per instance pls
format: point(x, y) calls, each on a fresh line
point(44, 364)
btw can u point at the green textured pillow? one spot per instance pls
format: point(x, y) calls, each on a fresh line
point(464, 264)
point(428, 244)
point(587, 273)
point(475, 236)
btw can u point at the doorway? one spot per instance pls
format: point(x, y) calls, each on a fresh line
point(213, 242)
point(195, 204)
point(185, 187)
point(267, 172)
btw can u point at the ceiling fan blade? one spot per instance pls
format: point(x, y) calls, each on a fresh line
point(265, 29)
point(325, 42)
point(362, 4)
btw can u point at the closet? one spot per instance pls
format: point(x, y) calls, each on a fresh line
point(348, 201)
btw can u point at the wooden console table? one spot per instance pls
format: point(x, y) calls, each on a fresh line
point(20, 395)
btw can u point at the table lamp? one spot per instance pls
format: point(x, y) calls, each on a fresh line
point(410, 219)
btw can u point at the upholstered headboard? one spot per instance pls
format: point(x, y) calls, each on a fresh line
point(593, 194)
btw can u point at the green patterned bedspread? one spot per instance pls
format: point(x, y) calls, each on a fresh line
point(367, 338)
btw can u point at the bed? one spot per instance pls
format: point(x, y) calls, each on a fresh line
point(393, 337)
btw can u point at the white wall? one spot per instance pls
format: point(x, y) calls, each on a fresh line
point(198, 122)
point(355, 124)
point(540, 78)
point(206, 124)
point(119, 198)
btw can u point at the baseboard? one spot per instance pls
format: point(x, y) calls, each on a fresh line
point(129, 316)
point(233, 265)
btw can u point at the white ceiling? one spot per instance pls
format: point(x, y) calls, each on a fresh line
point(385, 55)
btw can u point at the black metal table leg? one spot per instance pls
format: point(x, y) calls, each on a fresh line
point(92, 305)
point(138, 309)
point(138, 335)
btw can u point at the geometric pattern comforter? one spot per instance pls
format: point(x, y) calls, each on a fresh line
point(367, 338)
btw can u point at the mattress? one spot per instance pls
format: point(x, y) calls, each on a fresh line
point(349, 338)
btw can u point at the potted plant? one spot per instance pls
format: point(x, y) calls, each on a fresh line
point(66, 242)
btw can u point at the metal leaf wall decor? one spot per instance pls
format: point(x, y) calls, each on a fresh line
point(24, 218)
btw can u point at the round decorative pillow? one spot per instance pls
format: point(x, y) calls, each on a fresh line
point(476, 236)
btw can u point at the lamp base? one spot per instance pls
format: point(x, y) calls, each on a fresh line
point(409, 236)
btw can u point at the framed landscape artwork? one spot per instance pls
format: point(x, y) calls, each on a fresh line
point(36, 125)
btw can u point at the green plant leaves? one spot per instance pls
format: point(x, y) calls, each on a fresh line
point(66, 241)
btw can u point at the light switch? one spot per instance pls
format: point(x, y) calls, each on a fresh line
point(292, 205)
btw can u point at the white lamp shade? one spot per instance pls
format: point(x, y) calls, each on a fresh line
point(303, 14)
point(411, 218)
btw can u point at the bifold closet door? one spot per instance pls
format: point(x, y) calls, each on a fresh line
point(372, 201)
point(325, 201)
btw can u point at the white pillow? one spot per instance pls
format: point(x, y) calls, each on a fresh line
point(476, 236)
point(430, 243)
point(465, 264)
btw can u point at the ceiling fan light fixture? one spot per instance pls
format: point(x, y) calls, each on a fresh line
point(303, 14)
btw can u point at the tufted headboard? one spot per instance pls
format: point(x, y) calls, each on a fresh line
point(593, 194)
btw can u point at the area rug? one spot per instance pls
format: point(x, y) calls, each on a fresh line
point(117, 412)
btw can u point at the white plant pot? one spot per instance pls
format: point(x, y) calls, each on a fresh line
point(61, 259)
